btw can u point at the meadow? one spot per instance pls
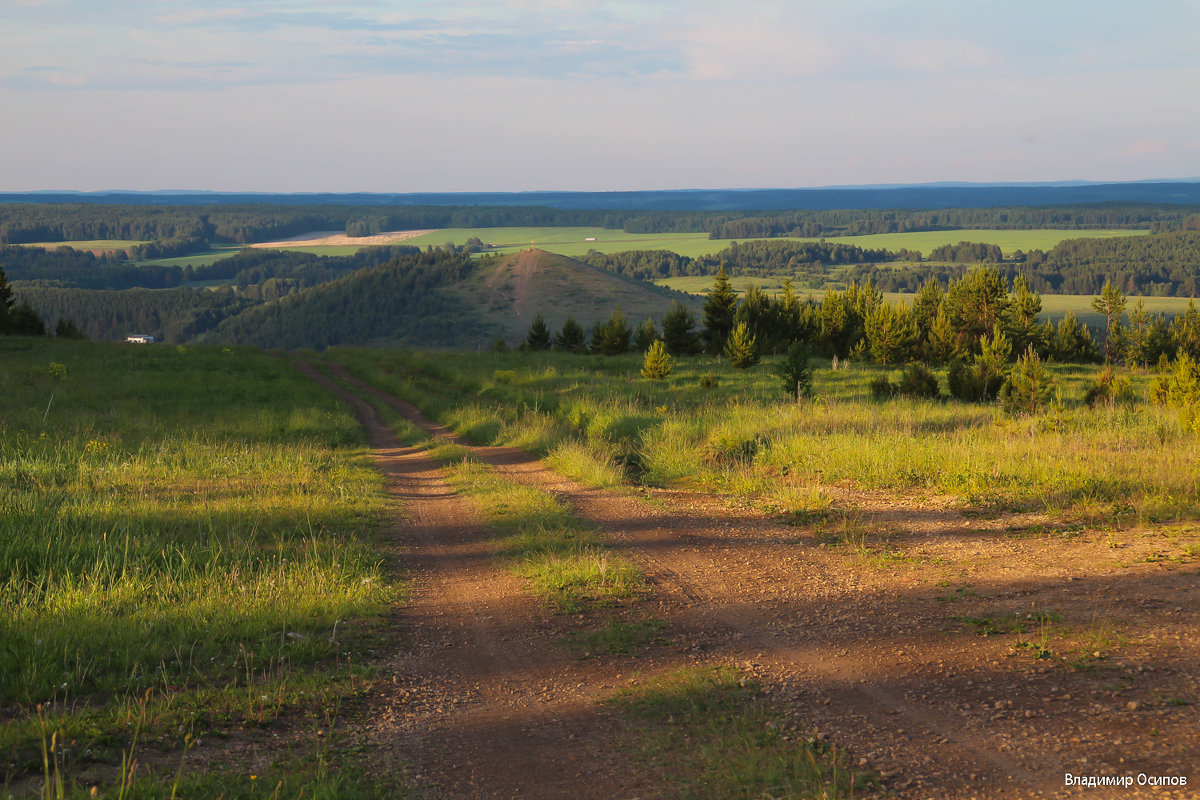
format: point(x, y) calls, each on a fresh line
point(190, 553)
point(595, 419)
point(571, 241)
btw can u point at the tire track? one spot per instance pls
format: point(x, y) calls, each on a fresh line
point(655, 538)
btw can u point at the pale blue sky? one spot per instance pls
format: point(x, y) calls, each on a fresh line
point(462, 95)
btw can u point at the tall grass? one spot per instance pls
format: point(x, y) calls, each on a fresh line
point(744, 437)
point(176, 521)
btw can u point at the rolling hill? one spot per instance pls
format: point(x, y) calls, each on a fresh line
point(506, 294)
point(445, 300)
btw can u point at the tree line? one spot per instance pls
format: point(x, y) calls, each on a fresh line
point(856, 222)
point(977, 319)
point(1162, 265)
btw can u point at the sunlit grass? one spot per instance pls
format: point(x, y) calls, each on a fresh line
point(598, 421)
point(193, 523)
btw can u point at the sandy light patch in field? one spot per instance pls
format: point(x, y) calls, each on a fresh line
point(322, 238)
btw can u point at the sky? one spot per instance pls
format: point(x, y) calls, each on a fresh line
point(524, 95)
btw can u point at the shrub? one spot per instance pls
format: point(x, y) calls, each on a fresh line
point(657, 363)
point(918, 381)
point(1108, 389)
point(882, 388)
point(708, 381)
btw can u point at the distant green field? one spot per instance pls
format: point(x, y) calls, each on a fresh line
point(1054, 306)
point(1009, 241)
point(572, 241)
point(90, 244)
point(199, 259)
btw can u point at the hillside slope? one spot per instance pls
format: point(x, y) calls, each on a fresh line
point(508, 294)
point(445, 300)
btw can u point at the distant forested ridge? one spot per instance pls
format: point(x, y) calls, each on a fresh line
point(756, 257)
point(1166, 264)
point(395, 303)
point(177, 229)
point(171, 315)
point(858, 222)
point(294, 269)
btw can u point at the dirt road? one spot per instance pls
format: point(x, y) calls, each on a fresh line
point(1089, 668)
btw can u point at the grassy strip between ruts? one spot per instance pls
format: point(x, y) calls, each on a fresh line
point(562, 557)
point(189, 553)
point(710, 732)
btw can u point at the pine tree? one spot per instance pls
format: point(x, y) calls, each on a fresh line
point(1185, 332)
point(612, 337)
point(795, 372)
point(1029, 385)
point(646, 336)
point(741, 347)
point(538, 337)
point(6, 302)
point(1110, 303)
point(1073, 343)
point(679, 333)
point(571, 338)
point(657, 363)
point(719, 309)
point(891, 336)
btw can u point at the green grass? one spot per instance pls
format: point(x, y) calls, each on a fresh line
point(571, 241)
point(1009, 240)
point(1104, 465)
point(617, 637)
point(189, 531)
point(563, 558)
point(202, 258)
point(710, 732)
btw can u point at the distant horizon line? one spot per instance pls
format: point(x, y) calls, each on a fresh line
point(830, 187)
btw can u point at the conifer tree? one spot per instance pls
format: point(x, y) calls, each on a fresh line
point(1110, 303)
point(1073, 343)
point(571, 338)
point(6, 301)
point(612, 337)
point(538, 337)
point(719, 309)
point(741, 347)
point(1029, 385)
point(794, 371)
point(679, 333)
point(646, 335)
point(657, 363)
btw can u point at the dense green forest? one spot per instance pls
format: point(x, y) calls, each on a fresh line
point(67, 268)
point(756, 257)
point(812, 224)
point(1165, 265)
point(172, 315)
point(395, 303)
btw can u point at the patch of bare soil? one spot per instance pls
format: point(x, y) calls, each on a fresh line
point(323, 238)
point(961, 657)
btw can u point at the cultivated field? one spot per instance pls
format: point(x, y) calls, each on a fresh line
point(571, 241)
